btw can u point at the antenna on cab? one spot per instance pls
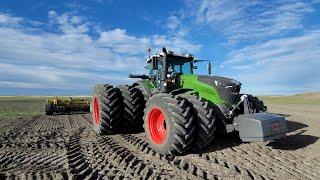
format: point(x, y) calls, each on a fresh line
point(149, 52)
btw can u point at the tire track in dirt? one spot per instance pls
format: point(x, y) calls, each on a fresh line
point(292, 157)
point(79, 168)
point(269, 163)
point(152, 158)
point(247, 161)
point(32, 149)
point(28, 163)
point(19, 129)
point(179, 166)
point(265, 166)
point(15, 137)
point(228, 164)
point(103, 164)
point(39, 133)
point(279, 158)
point(103, 156)
point(125, 160)
point(87, 117)
point(65, 147)
point(197, 168)
point(10, 123)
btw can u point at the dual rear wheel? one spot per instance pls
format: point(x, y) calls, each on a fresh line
point(172, 124)
point(106, 109)
point(169, 124)
point(117, 109)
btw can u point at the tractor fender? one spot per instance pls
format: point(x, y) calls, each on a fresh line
point(180, 91)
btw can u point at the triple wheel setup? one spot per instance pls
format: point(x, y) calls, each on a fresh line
point(173, 124)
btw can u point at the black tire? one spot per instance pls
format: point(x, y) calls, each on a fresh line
point(48, 109)
point(178, 124)
point(144, 90)
point(106, 109)
point(134, 105)
point(256, 105)
point(205, 121)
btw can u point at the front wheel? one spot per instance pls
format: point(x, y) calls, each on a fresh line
point(168, 124)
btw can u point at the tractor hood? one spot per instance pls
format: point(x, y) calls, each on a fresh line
point(218, 81)
point(227, 88)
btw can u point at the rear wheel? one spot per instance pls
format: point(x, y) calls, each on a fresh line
point(106, 109)
point(168, 124)
point(133, 108)
point(256, 105)
point(205, 121)
point(146, 92)
point(48, 109)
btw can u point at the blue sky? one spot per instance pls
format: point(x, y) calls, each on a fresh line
point(64, 47)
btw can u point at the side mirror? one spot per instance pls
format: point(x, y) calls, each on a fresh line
point(154, 63)
point(209, 68)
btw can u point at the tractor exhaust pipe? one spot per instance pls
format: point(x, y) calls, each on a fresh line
point(163, 76)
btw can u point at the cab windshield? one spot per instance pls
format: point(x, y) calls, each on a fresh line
point(179, 66)
point(184, 68)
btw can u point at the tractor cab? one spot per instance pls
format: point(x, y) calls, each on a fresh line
point(179, 64)
point(165, 69)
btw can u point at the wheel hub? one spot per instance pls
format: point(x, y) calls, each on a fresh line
point(157, 125)
point(96, 114)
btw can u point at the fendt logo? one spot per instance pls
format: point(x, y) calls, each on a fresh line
point(275, 127)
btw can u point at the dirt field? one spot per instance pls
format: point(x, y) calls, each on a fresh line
point(64, 146)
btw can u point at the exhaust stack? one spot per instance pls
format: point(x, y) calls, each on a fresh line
point(163, 76)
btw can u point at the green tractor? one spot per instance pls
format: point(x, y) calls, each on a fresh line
point(181, 111)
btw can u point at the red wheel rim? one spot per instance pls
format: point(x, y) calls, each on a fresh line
point(96, 114)
point(157, 125)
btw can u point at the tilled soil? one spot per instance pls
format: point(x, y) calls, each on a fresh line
point(65, 147)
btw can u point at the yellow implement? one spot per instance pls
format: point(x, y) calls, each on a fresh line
point(66, 105)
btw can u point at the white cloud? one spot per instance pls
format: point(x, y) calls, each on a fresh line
point(121, 42)
point(173, 23)
point(176, 27)
point(175, 40)
point(69, 55)
point(176, 44)
point(52, 14)
point(7, 19)
point(53, 78)
point(68, 23)
point(284, 49)
point(285, 65)
point(252, 20)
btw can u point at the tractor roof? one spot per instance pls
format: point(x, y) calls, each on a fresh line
point(174, 55)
